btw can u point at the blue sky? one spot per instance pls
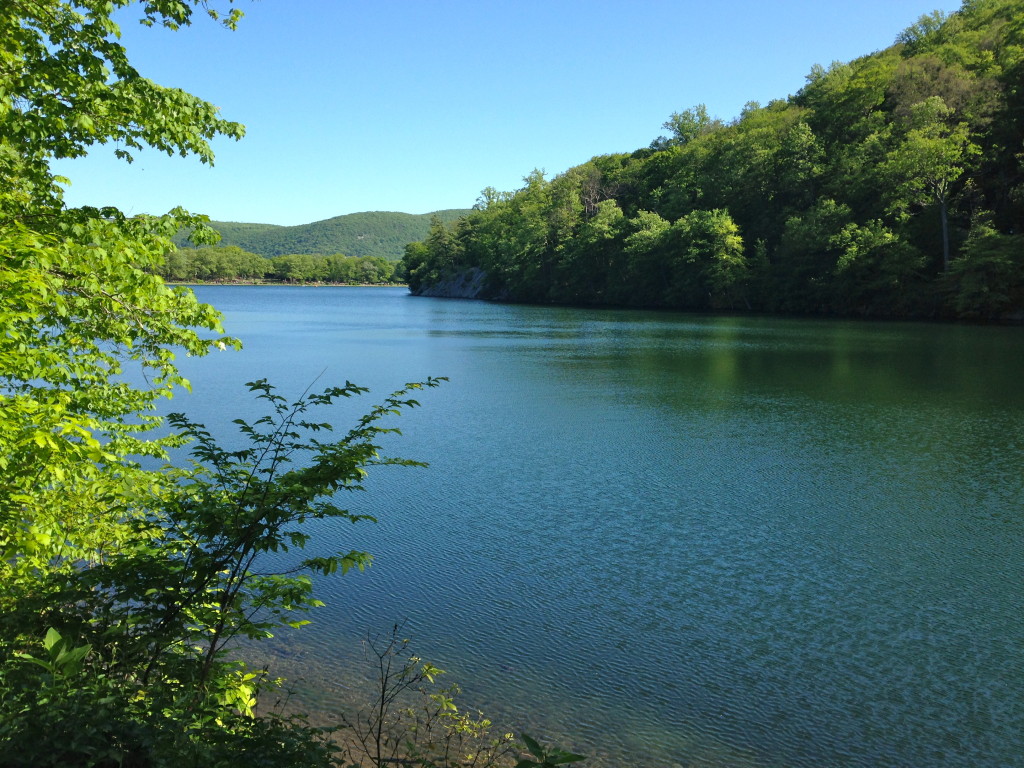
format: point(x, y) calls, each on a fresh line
point(415, 106)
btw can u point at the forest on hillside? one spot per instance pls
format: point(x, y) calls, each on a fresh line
point(370, 233)
point(889, 186)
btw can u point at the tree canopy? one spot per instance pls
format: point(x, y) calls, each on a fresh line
point(888, 186)
point(80, 302)
point(229, 263)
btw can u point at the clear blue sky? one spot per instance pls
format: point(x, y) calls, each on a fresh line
point(417, 105)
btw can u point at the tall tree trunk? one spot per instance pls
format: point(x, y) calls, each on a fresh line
point(945, 235)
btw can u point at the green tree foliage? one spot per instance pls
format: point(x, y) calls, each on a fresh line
point(139, 671)
point(645, 274)
point(80, 305)
point(925, 28)
point(213, 263)
point(123, 586)
point(988, 280)
point(583, 266)
point(875, 270)
point(926, 166)
point(365, 270)
point(299, 268)
point(229, 263)
point(686, 126)
point(854, 196)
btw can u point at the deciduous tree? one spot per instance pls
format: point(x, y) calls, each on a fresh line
point(120, 586)
point(930, 161)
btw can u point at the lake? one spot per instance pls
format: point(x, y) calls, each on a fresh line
point(671, 540)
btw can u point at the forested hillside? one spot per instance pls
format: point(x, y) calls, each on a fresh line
point(889, 186)
point(375, 233)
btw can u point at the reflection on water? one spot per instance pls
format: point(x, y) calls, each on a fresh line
point(668, 539)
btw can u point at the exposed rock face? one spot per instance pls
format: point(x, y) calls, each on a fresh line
point(465, 285)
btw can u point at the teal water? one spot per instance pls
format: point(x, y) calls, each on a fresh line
point(674, 540)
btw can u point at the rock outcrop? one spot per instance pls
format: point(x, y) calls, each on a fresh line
point(470, 284)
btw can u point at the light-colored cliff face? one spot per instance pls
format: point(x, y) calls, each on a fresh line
point(466, 285)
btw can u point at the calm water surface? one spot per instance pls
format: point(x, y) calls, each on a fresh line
point(674, 540)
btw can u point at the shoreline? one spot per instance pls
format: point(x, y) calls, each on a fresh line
point(249, 283)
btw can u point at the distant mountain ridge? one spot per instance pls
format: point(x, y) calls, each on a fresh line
point(371, 233)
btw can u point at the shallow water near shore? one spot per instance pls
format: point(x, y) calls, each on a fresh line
point(671, 540)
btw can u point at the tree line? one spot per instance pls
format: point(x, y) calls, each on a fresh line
point(229, 263)
point(889, 186)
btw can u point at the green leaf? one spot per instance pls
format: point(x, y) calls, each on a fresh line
point(531, 744)
point(52, 640)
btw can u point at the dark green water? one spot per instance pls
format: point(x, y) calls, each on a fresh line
point(672, 540)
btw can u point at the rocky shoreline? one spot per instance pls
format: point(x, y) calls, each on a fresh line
point(470, 284)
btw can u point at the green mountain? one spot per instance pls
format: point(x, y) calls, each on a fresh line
point(889, 186)
point(373, 233)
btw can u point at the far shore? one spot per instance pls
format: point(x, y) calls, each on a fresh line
point(285, 282)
